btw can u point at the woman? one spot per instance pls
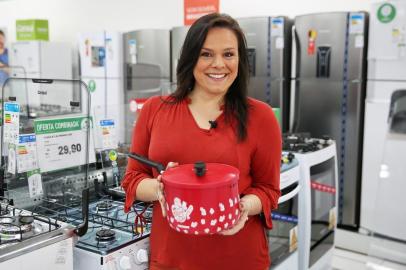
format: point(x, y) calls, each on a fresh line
point(210, 118)
point(3, 58)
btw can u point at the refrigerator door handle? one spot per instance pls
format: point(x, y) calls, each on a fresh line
point(294, 86)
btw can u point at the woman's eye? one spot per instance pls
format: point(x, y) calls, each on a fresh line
point(229, 54)
point(205, 54)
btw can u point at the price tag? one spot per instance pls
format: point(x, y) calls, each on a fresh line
point(35, 183)
point(106, 135)
point(11, 122)
point(61, 143)
point(27, 153)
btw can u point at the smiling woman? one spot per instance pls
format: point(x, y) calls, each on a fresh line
point(209, 118)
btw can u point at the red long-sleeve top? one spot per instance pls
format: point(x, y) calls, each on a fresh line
point(167, 132)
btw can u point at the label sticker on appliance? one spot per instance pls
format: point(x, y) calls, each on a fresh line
point(311, 41)
point(106, 138)
point(27, 153)
point(35, 183)
point(357, 21)
point(62, 251)
point(293, 239)
point(277, 27)
point(386, 13)
point(11, 160)
point(279, 43)
point(332, 220)
point(11, 122)
point(359, 41)
point(61, 143)
point(132, 48)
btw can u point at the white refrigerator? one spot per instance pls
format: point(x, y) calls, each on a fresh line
point(101, 68)
point(384, 152)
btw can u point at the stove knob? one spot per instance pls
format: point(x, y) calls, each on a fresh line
point(125, 263)
point(142, 256)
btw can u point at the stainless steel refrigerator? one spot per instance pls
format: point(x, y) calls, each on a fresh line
point(178, 35)
point(146, 69)
point(269, 50)
point(328, 85)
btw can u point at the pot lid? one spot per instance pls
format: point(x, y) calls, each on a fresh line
point(187, 175)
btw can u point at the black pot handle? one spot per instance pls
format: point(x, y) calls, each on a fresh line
point(200, 168)
point(160, 168)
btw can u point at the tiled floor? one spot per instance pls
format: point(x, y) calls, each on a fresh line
point(347, 260)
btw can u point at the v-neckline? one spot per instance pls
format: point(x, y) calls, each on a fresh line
point(209, 130)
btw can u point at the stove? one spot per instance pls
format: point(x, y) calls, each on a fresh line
point(115, 239)
point(24, 233)
point(318, 197)
point(303, 143)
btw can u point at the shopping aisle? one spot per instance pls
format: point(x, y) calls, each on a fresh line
point(347, 260)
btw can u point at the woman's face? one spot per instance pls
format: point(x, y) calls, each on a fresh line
point(2, 41)
point(217, 66)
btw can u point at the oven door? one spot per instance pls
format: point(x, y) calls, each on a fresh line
point(283, 236)
point(323, 201)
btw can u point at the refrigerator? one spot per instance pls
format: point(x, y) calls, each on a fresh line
point(178, 36)
point(384, 154)
point(146, 70)
point(328, 88)
point(269, 51)
point(101, 65)
point(41, 60)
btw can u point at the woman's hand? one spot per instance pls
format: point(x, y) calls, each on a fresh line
point(160, 194)
point(245, 207)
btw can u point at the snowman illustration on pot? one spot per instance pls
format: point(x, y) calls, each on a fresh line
point(181, 212)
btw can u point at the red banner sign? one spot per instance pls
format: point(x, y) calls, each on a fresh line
point(194, 9)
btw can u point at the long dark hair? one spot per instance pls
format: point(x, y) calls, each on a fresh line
point(236, 105)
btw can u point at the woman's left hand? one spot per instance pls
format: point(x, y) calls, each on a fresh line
point(245, 207)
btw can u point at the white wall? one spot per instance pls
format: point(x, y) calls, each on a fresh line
point(68, 17)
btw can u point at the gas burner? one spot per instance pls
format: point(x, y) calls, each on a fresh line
point(4, 212)
point(10, 225)
point(104, 206)
point(105, 235)
point(302, 143)
point(26, 220)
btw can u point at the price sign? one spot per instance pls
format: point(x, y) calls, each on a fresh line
point(61, 143)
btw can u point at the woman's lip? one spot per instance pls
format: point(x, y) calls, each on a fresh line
point(212, 76)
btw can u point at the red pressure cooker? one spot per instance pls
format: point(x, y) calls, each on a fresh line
point(201, 198)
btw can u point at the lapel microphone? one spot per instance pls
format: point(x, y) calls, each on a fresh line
point(213, 124)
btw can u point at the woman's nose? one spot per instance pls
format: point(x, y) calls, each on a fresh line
point(218, 61)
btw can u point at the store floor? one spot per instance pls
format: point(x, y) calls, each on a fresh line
point(347, 260)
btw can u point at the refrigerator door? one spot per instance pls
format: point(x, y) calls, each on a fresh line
point(26, 55)
point(329, 94)
point(178, 35)
point(321, 43)
point(389, 214)
point(387, 41)
point(148, 47)
point(92, 51)
point(376, 140)
point(268, 42)
point(56, 61)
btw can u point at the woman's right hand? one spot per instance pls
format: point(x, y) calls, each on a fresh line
point(160, 189)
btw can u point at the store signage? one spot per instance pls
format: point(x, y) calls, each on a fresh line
point(194, 9)
point(62, 143)
point(28, 30)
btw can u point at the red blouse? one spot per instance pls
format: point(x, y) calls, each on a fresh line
point(168, 132)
